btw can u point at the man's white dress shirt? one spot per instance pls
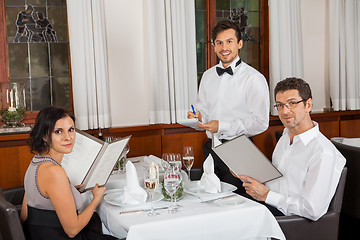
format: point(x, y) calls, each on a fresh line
point(240, 102)
point(311, 168)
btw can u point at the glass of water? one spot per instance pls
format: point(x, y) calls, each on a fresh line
point(172, 180)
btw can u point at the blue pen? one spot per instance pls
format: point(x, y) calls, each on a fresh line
point(193, 109)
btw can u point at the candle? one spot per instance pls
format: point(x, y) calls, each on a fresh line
point(157, 171)
point(152, 173)
point(16, 98)
point(11, 109)
point(11, 98)
point(24, 98)
point(7, 96)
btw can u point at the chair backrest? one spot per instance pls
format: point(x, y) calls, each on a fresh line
point(278, 134)
point(327, 227)
point(15, 196)
point(351, 202)
point(10, 225)
point(337, 200)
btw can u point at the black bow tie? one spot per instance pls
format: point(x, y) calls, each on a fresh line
point(220, 71)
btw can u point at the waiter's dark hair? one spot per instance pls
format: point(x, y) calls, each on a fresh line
point(44, 126)
point(293, 83)
point(225, 25)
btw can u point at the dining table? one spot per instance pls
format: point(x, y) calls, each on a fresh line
point(354, 142)
point(201, 216)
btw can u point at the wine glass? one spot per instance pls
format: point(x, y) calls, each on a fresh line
point(172, 180)
point(188, 158)
point(151, 179)
point(177, 165)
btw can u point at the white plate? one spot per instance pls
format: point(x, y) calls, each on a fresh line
point(196, 188)
point(115, 198)
point(230, 201)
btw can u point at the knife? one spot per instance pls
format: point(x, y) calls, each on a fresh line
point(141, 210)
point(219, 198)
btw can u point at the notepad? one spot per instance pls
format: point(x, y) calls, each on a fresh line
point(243, 157)
point(191, 122)
point(92, 160)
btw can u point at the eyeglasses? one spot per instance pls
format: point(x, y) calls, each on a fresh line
point(289, 105)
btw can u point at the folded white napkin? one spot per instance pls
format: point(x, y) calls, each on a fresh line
point(133, 193)
point(209, 180)
point(153, 159)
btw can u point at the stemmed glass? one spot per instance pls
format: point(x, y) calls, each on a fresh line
point(177, 165)
point(172, 180)
point(188, 158)
point(151, 178)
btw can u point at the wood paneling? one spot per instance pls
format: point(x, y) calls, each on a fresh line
point(145, 146)
point(350, 128)
point(266, 141)
point(330, 128)
point(13, 164)
point(174, 143)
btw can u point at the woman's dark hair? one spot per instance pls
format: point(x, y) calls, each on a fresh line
point(44, 126)
point(293, 83)
point(225, 25)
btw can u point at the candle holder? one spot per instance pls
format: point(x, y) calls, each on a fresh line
point(13, 104)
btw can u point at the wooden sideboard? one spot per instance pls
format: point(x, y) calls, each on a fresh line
point(165, 138)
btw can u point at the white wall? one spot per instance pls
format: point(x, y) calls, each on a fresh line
point(125, 43)
point(315, 47)
point(128, 82)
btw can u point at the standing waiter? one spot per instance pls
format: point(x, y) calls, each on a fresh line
point(233, 97)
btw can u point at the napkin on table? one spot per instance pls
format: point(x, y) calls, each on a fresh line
point(209, 179)
point(133, 193)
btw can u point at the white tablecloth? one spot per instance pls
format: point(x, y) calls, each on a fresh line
point(355, 142)
point(195, 220)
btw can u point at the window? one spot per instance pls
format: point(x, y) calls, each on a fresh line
point(37, 51)
point(252, 17)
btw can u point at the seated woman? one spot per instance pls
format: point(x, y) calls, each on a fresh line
point(50, 202)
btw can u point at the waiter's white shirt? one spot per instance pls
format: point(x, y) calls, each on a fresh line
point(311, 168)
point(240, 102)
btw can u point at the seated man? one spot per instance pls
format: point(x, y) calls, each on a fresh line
point(310, 163)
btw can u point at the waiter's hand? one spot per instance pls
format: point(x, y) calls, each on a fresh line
point(254, 188)
point(197, 115)
point(212, 126)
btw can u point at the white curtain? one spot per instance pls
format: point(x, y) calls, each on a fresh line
point(89, 69)
point(344, 54)
point(285, 53)
point(170, 58)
